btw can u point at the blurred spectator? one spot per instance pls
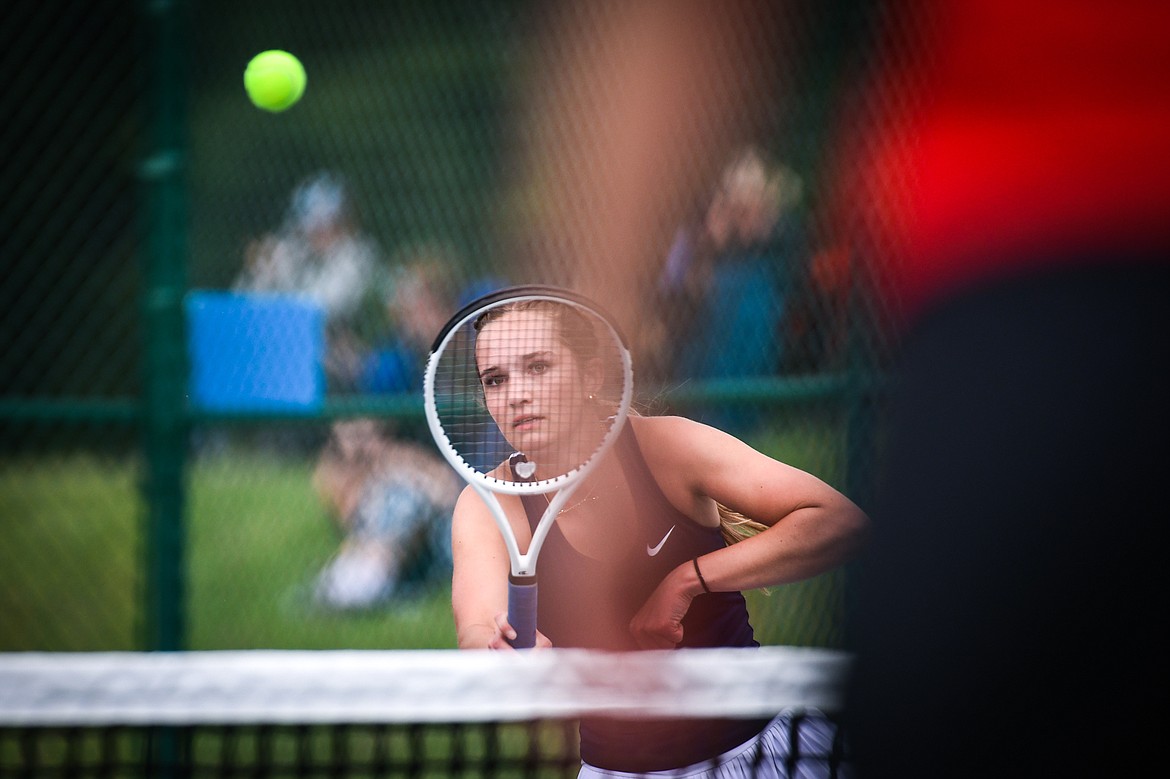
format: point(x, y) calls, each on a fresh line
point(390, 496)
point(320, 252)
point(723, 291)
point(392, 502)
point(419, 296)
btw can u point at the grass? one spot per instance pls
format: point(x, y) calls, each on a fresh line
point(69, 573)
point(71, 548)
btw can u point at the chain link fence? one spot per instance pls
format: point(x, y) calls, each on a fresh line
point(214, 318)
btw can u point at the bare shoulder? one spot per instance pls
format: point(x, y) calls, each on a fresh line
point(674, 440)
point(704, 459)
point(659, 429)
point(472, 524)
point(470, 508)
point(682, 454)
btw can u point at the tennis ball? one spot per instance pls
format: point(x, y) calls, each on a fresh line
point(274, 80)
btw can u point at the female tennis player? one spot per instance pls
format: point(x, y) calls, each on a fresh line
point(639, 558)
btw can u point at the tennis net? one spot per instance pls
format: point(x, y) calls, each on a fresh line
point(393, 713)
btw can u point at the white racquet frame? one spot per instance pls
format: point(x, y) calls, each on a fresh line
point(523, 564)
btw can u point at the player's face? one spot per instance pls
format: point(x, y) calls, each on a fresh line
point(532, 383)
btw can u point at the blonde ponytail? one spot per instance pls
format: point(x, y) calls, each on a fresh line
point(735, 526)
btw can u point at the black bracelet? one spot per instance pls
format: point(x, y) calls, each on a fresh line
point(699, 573)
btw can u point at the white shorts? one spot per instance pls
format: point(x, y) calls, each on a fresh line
point(768, 755)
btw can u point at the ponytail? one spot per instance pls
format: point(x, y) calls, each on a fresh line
point(734, 526)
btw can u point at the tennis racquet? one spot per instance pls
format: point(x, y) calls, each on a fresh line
point(525, 389)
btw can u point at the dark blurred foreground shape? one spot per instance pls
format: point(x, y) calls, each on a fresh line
point(1008, 616)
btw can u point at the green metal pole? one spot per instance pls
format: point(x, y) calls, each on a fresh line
point(164, 363)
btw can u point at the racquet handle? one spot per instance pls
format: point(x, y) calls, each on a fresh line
point(522, 610)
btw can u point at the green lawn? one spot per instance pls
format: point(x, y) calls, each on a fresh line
point(69, 550)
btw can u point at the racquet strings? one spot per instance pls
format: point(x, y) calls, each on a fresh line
point(528, 390)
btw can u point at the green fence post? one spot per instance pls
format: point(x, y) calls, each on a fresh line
point(164, 360)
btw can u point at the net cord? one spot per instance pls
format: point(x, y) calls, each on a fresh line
point(411, 686)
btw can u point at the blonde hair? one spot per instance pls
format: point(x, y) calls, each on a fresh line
point(574, 327)
point(735, 527)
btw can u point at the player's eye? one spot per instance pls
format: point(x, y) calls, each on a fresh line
point(538, 366)
point(492, 379)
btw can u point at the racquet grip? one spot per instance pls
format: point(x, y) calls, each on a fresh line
point(522, 610)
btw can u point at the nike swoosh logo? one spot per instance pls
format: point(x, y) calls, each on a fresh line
point(653, 550)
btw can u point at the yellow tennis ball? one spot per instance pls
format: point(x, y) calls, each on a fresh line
point(274, 80)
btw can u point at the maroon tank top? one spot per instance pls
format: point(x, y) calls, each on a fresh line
point(587, 603)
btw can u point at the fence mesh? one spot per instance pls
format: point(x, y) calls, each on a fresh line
point(169, 478)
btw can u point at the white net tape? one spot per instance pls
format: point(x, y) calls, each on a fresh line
point(230, 687)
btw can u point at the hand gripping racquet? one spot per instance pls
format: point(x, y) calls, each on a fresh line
point(525, 390)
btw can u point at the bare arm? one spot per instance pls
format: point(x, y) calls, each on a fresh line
point(479, 583)
point(812, 528)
